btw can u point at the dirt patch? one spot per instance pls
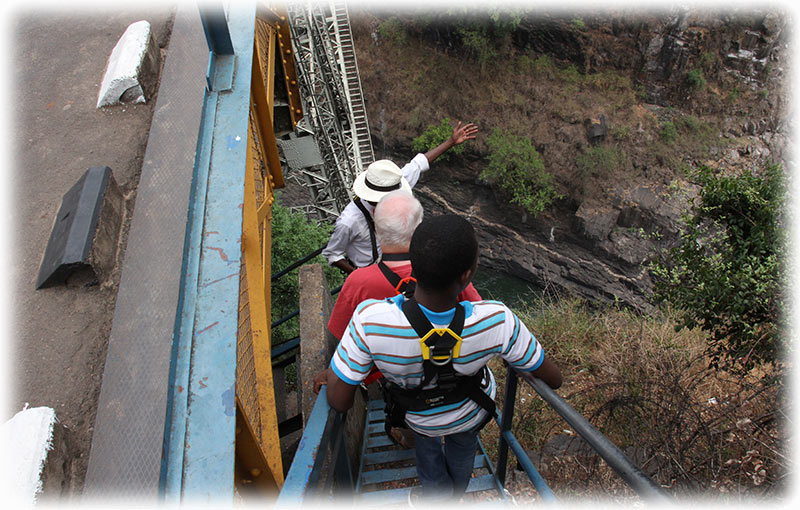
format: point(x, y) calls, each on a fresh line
point(60, 334)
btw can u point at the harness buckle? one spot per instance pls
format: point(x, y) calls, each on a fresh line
point(404, 281)
point(440, 359)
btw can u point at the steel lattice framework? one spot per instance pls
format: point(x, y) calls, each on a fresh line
point(334, 107)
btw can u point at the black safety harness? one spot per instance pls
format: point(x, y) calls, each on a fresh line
point(404, 286)
point(371, 225)
point(440, 346)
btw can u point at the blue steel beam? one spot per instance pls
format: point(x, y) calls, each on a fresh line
point(199, 465)
point(293, 492)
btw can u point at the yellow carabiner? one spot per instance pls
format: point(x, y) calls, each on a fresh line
point(440, 360)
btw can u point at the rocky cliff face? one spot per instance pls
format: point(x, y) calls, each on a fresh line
point(597, 252)
point(598, 247)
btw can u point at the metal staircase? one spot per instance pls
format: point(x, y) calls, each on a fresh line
point(388, 471)
point(347, 61)
point(335, 114)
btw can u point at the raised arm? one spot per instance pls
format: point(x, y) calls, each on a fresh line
point(460, 135)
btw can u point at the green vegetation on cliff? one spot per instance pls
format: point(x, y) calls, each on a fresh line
point(728, 274)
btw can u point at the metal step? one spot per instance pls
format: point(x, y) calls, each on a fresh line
point(398, 464)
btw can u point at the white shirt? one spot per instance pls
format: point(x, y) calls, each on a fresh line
point(350, 238)
point(379, 334)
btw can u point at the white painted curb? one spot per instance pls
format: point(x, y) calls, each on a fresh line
point(26, 438)
point(124, 67)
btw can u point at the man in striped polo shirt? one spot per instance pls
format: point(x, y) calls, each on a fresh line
point(444, 255)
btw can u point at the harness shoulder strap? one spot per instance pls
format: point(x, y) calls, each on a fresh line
point(441, 346)
point(394, 278)
point(422, 326)
point(403, 286)
point(450, 386)
point(371, 225)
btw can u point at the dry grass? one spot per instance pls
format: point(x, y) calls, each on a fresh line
point(697, 432)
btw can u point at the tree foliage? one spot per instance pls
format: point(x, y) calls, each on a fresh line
point(727, 273)
point(294, 237)
point(515, 167)
point(433, 136)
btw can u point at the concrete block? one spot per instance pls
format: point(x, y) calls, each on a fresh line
point(316, 342)
point(85, 230)
point(317, 345)
point(132, 70)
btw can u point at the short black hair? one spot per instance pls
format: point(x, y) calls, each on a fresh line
point(442, 248)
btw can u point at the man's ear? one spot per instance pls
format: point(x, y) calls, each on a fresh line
point(466, 277)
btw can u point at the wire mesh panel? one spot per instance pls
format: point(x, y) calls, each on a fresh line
point(254, 379)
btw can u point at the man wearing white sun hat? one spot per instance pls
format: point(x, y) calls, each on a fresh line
point(352, 244)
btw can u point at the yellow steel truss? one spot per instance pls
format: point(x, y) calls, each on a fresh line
point(258, 449)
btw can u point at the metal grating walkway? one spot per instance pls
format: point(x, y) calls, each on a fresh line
point(388, 471)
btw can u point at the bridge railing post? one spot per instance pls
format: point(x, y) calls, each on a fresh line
point(505, 424)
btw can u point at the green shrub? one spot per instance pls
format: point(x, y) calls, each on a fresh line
point(544, 67)
point(433, 136)
point(620, 133)
point(692, 123)
point(394, 30)
point(707, 60)
point(669, 133)
point(695, 79)
point(727, 274)
point(600, 161)
point(479, 44)
point(514, 166)
point(293, 237)
point(571, 75)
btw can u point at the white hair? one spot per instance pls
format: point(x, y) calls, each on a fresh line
point(396, 217)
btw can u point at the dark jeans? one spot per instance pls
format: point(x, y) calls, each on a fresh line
point(444, 470)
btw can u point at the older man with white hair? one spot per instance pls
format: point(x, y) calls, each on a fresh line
point(396, 217)
point(353, 243)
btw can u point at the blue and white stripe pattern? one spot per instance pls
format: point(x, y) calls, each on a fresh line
point(380, 335)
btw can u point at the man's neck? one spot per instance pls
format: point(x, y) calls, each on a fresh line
point(397, 264)
point(400, 255)
point(436, 301)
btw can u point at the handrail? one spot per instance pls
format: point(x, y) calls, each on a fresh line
point(320, 468)
point(619, 462)
point(507, 439)
point(297, 312)
point(298, 263)
point(320, 465)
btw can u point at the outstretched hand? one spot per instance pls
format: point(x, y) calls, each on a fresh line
point(463, 133)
